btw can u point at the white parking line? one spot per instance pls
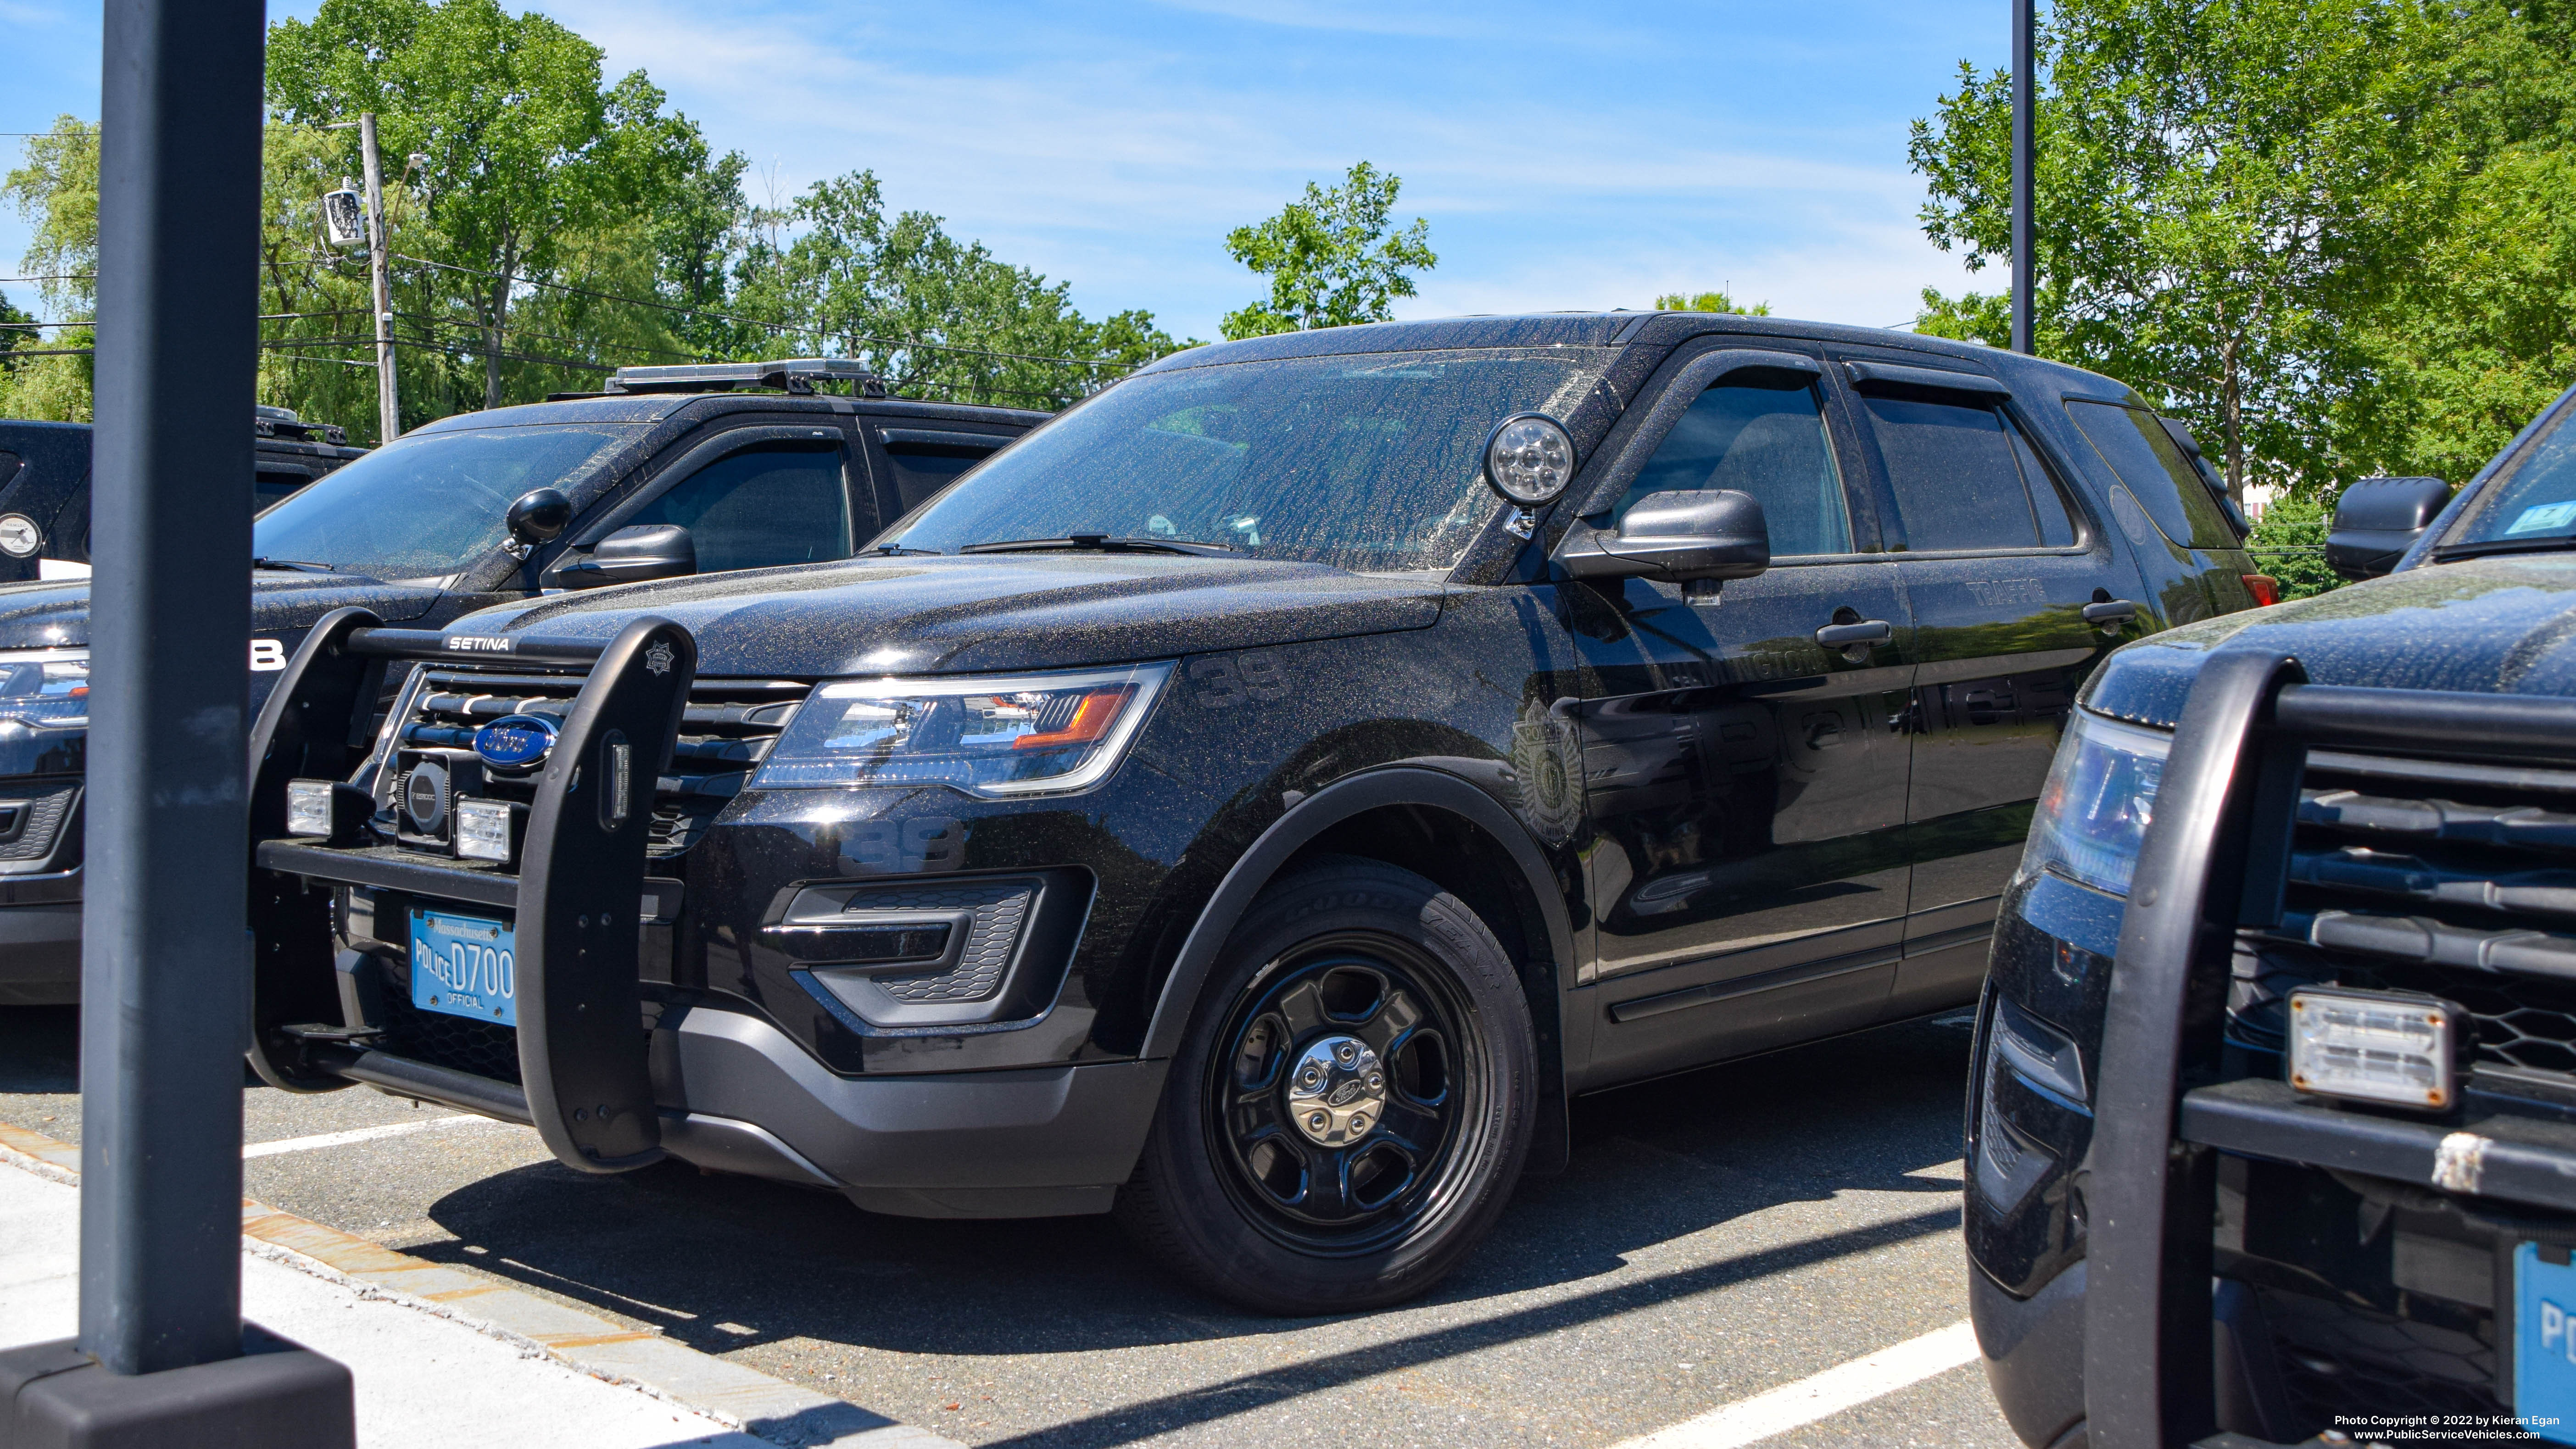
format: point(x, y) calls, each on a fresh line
point(1820, 1396)
point(357, 1134)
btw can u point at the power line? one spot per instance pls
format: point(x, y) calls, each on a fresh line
point(771, 327)
point(755, 322)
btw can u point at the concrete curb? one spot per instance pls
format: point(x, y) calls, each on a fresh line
point(764, 1407)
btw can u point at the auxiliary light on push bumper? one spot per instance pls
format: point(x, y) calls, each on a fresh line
point(580, 850)
point(2375, 1046)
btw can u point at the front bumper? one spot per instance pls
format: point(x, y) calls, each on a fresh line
point(1044, 1142)
point(40, 940)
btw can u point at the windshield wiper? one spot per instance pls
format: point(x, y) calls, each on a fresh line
point(2449, 551)
point(293, 565)
point(1102, 543)
point(897, 550)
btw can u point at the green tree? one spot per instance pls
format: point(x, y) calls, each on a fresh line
point(926, 311)
point(1330, 258)
point(2479, 332)
point(1709, 302)
point(2224, 185)
point(2289, 544)
point(55, 189)
point(1968, 317)
point(526, 149)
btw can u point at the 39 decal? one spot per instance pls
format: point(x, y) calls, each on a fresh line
point(1226, 680)
point(930, 843)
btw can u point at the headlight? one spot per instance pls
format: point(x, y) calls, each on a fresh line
point(45, 688)
point(1026, 734)
point(2101, 793)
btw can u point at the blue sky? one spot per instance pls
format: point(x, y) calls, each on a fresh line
point(1565, 156)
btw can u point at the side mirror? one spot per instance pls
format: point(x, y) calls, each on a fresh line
point(633, 554)
point(2378, 519)
point(1696, 539)
point(539, 517)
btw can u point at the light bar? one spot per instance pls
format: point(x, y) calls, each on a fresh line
point(2375, 1046)
point(488, 829)
point(793, 374)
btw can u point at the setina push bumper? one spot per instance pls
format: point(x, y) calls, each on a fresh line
point(2326, 1195)
point(470, 915)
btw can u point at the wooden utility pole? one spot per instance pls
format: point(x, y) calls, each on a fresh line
point(388, 411)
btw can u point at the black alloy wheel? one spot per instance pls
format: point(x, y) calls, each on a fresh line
point(1334, 1097)
point(1352, 1103)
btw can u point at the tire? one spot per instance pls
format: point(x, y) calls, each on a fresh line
point(1350, 1107)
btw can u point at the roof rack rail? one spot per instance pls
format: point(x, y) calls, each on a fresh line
point(794, 374)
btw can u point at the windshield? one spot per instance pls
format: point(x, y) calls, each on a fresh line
point(1367, 462)
point(2534, 498)
point(431, 503)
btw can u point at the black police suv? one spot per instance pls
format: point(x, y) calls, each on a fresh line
point(673, 471)
point(2305, 1161)
point(44, 484)
point(1223, 806)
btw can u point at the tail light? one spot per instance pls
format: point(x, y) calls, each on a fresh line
point(2265, 589)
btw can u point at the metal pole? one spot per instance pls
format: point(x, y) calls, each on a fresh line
point(165, 955)
point(388, 415)
point(2023, 267)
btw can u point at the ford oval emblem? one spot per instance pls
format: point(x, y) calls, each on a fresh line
point(515, 742)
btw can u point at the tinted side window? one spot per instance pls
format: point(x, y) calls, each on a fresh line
point(921, 472)
point(2144, 456)
point(2056, 526)
point(1958, 483)
point(1766, 441)
point(761, 507)
point(269, 485)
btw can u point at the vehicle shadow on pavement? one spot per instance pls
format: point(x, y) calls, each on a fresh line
point(728, 1263)
point(39, 1049)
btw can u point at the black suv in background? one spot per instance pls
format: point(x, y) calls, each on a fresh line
point(672, 471)
point(44, 485)
point(2364, 1124)
point(1223, 805)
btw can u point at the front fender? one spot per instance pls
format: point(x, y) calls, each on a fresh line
point(1300, 826)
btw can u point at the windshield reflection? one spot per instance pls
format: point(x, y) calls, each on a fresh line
point(431, 503)
point(1365, 462)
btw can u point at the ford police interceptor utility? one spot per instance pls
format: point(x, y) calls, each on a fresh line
point(1253, 802)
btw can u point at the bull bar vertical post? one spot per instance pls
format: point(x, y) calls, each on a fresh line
point(163, 1355)
point(2148, 1355)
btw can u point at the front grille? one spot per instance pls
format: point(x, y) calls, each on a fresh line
point(41, 807)
point(459, 1043)
point(997, 910)
point(2340, 1360)
point(2453, 879)
point(725, 732)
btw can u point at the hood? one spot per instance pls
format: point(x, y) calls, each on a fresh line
point(54, 613)
point(982, 613)
point(2483, 626)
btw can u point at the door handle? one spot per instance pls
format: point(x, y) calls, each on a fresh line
point(2110, 614)
point(1867, 631)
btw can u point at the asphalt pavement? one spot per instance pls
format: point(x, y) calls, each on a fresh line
point(1719, 1236)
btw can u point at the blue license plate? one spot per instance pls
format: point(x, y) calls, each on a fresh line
point(464, 966)
point(2544, 1347)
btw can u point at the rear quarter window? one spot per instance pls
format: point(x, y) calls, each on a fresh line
point(2144, 458)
